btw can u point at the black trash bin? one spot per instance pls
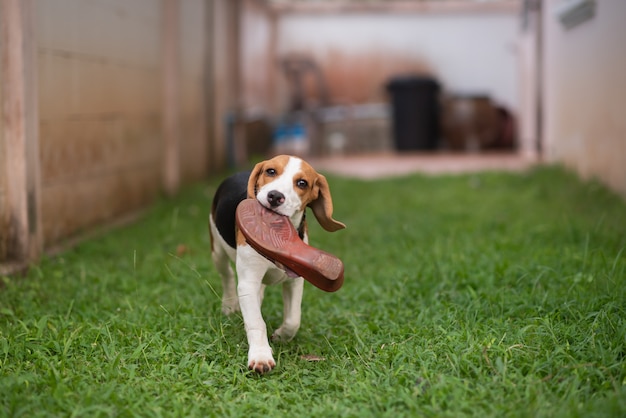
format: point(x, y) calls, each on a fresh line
point(415, 112)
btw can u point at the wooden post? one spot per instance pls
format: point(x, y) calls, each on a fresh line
point(223, 86)
point(171, 96)
point(20, 118)
point(238, 8)
point(530, 79)
point(209, 87)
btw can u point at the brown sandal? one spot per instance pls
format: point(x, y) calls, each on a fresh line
point(273, 236)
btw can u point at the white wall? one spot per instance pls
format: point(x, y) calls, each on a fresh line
point(468, 52)
point(585, 93)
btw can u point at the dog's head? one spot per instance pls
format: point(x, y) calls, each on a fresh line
point(287, 185)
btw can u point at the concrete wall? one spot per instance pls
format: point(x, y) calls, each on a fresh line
point(100, 110)
point(102, 70)
point(585, 93)
point(470, 50)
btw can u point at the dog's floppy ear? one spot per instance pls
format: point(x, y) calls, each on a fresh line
point(323, 206)
point(254, 176)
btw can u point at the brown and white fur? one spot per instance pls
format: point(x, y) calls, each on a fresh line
point(287, 185)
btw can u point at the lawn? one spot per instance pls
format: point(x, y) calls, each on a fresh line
point(489, 294)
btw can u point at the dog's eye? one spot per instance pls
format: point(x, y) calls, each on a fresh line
point(302, 184)
point(270, 172)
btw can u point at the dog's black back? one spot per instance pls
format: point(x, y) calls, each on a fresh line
point(228, 195)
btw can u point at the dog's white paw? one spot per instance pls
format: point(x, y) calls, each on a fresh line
point(230, 306)
point(260, 360)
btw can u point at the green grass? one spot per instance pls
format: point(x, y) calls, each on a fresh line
point(480, 295)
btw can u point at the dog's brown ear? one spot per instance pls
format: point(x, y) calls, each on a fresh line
point(323, 206)
point(252, 180)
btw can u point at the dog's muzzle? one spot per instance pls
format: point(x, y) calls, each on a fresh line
point(275, 198)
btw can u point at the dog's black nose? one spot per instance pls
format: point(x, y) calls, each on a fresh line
point(275, 198)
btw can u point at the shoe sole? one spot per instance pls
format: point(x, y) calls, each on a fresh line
point(273, 236)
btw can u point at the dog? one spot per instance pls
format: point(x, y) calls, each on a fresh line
point(286, 185)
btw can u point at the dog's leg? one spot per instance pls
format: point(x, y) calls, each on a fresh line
point(292, 300)
point(250, 270)
point(222, 255)
point(262, 294)
point(230, 302)
point(292, 311)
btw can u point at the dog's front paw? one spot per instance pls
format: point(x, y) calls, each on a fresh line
point(261, 360)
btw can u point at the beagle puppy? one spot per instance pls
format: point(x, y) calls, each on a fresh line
point(287, 185)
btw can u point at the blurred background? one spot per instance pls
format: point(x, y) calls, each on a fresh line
point(109, 103)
